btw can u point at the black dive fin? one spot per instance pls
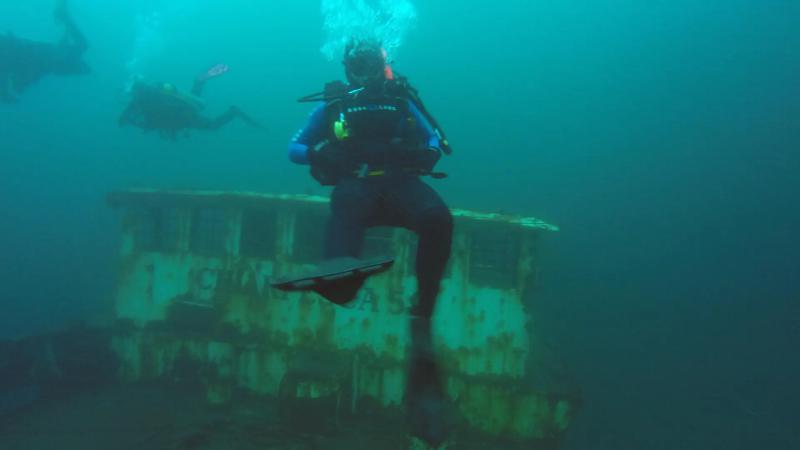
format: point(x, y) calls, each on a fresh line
point(338, 279)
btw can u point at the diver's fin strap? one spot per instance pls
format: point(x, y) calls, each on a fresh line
point(334, 90)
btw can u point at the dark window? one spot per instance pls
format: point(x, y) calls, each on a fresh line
point(259, 234)
point(309, 237)
point(209, 230)
point(494, 256)
point(158, 230)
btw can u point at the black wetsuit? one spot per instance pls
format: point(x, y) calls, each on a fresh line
point(398, 200)
point(375, 166)
point(23, 62)
point(388, 143)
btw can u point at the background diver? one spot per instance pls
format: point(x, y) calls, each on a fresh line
point(372, 139)
point(163, 108)
point(23, 61)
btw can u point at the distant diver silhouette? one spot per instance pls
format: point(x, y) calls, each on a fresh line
point(23, 62)
point(161, 107)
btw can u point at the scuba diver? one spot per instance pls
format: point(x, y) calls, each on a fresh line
point(373, 140)
point(23, 61)
point(163, 108)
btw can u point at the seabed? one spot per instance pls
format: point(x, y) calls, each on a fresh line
point(176, 416)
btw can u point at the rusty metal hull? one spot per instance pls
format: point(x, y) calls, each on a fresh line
point(194, 289)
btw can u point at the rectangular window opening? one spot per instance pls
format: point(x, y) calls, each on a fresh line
point(494, 256)
point(309, 237)
point(209, 231)
point(158, 230)
point(259, 234)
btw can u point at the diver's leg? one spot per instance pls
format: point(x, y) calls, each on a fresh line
point(435, 231)
point(204, 123)
point(340, 276)
point(412, 204)
point(351, 203)
point(429, 217)
point(73, 36)
point(222, 120)
point(337, 277)
point(247, 119)
point(212, 72)
point(425, 393)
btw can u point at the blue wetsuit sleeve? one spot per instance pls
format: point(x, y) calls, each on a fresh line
point(311, 135)
point(427, 133)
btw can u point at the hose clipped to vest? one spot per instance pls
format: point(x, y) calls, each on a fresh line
point(334, 90)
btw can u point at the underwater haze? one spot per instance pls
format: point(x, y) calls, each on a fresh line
point(661, 136)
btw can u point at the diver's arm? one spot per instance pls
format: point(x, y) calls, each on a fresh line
point(428, 133)
point(311, 135)
point(416, 101)
point(73, 37)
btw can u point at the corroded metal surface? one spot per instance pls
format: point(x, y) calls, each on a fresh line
point(194, 286)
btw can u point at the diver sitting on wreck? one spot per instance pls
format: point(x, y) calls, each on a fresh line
point(373, 139)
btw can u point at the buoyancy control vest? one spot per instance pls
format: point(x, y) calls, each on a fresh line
point(373, 131)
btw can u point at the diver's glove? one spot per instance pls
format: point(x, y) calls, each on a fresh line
point(325, 167)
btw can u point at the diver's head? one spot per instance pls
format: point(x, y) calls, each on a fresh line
point(364, 62)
